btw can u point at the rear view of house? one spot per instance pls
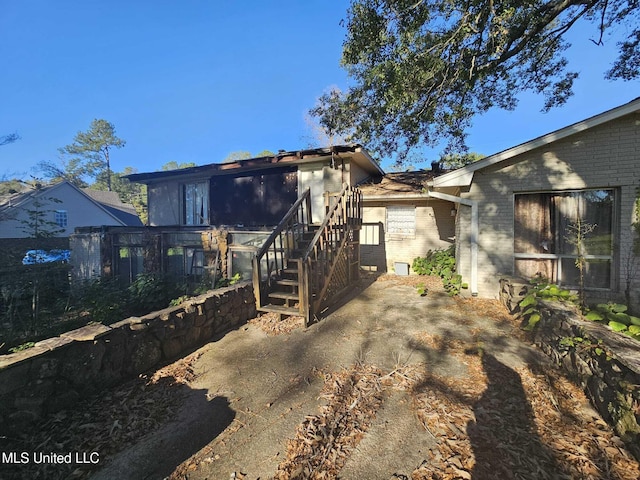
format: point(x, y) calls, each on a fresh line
point(290, 222)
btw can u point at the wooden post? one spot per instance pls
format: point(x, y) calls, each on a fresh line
point(304, 291)
point(256, 281)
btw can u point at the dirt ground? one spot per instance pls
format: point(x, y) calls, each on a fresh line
point(391, 385)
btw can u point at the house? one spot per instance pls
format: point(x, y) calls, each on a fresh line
point(402, 222)
point(289, 221)
point(256, 192)
point(244, 199)
point(519, 210)
point(57, 210)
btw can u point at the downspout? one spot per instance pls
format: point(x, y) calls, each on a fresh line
point(474, 233)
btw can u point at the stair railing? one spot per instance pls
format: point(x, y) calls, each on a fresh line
point(317, 265)
point(272, 257)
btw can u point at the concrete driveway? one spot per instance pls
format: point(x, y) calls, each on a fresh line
point(253, 391)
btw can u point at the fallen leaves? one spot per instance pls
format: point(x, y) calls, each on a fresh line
point(106, 423)
point(271, 324)
point(514, 423)
point(323, 442)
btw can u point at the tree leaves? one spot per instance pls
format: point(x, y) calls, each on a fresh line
point(88, 155)
point(423, 69)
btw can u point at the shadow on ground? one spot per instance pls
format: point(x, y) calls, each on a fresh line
point(198, 422)
point(504, 418)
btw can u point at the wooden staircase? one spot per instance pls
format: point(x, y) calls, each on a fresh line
point(283, 295)
point(302, 267)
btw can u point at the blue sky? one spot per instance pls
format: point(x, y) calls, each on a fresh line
point(192, 81)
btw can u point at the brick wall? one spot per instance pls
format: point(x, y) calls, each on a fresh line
point(602, 157)
point(434, 230)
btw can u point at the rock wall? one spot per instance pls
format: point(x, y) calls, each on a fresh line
point(59, 371)
point(605, 363)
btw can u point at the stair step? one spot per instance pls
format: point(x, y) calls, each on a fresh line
point(282, 310)
point(287, 281)
point(284, 295)
point(290, 271)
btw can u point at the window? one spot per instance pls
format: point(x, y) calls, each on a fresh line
point(196, 203)
point(130, 263)
point(401, 221)
point(61, 218)
point(184, 261)
point(545, 227)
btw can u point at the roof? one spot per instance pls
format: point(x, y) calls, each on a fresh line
point(355, 152)
point(398, 184)
point(463, 177)
point(110, 201)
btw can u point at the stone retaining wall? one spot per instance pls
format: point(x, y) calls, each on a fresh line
point(607, 364)
point(59, 371)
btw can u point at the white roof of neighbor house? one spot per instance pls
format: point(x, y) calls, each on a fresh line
point(462, 177)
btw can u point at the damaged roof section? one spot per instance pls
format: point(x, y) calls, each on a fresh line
point(355, 152)
point(399, 184)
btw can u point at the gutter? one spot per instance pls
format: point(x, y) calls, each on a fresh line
point(474, 233)
point(395, 196)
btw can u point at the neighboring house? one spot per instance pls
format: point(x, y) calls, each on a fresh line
point(59, 209)
point(401, 222)
point(110, 201)
point(519, 208)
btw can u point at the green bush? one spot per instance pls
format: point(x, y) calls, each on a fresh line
point(541, 288)
point(441, 263)
point(436, 262)
point(106, 300)
point(149, 292)
point(32, 297)
point(616, 316)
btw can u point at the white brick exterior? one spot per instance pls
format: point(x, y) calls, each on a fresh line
point(604, 156)
point(379, 251)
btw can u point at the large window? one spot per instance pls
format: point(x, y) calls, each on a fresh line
point(196, 203)
point(546, 238)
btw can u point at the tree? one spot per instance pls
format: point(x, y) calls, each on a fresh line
point(7, 139)
point(457, 160)
point(328, 120)
point(245, 155)
point(237, 155)
point(128, 192)
point(264, 153)
point(11, 186)
point(87, 156)
point(423, 68)
point(173, 165)
point(38, 223)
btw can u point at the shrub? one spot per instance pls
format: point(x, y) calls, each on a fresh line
point(149, 292)
point(616, 316)
point(541, 288)
point(441, 263)
point(106, 300)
